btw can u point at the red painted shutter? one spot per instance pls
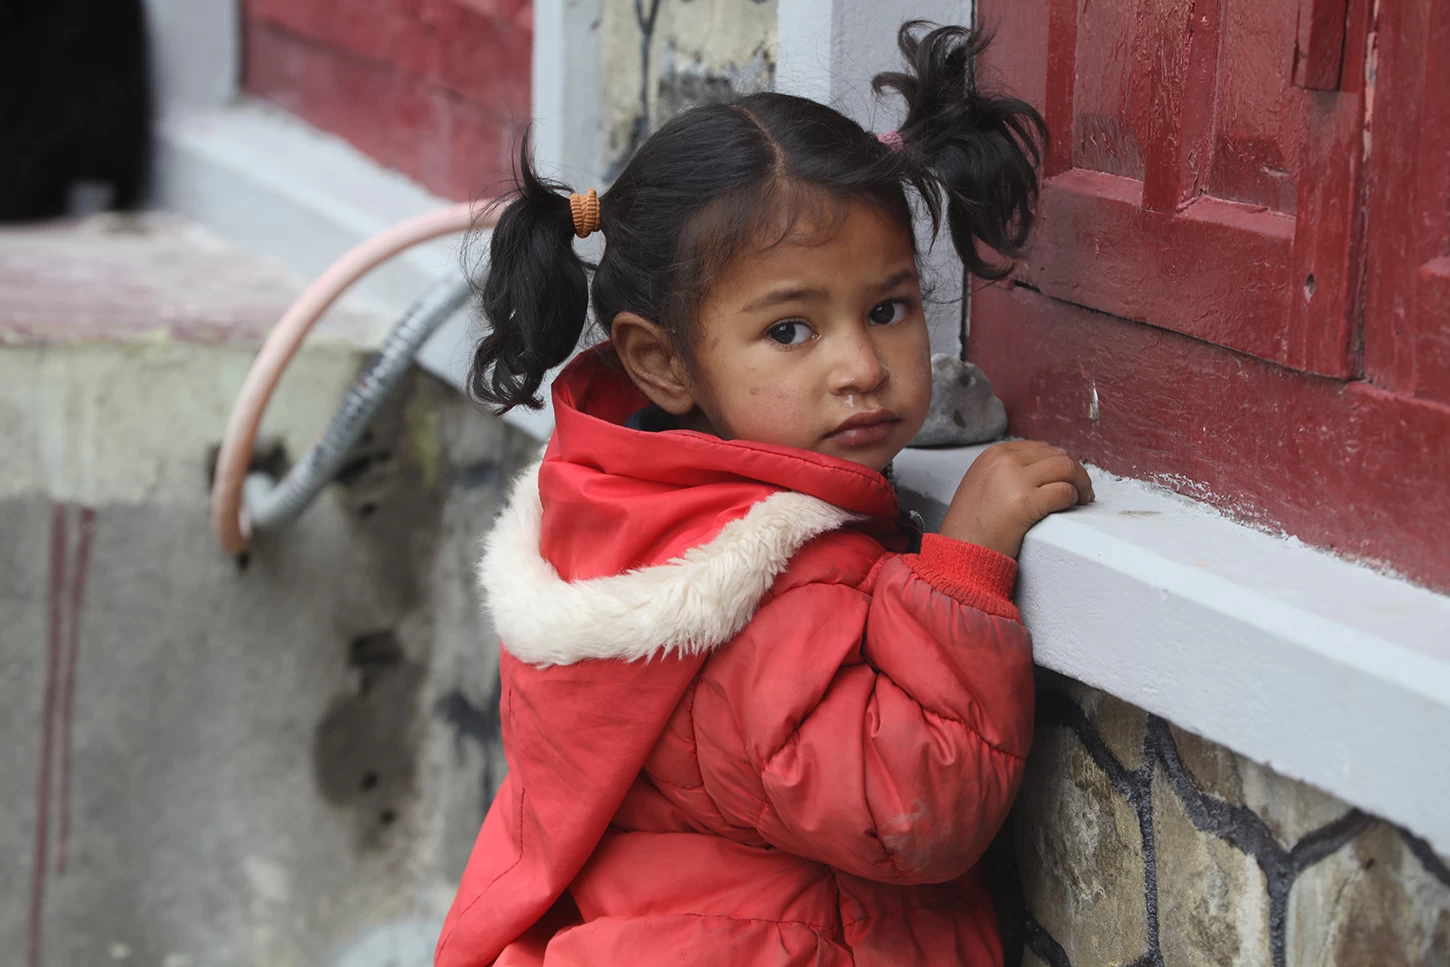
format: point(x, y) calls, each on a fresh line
point(1206, 165)
point(1407, 292)
point(1212, 159)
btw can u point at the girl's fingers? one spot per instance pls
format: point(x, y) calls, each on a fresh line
point(1054, 497)
point(1033, 451)
point(1050, 468)
point(1061, 468)
point(1084, 485)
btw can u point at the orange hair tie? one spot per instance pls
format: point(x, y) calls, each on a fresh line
point(586, 213)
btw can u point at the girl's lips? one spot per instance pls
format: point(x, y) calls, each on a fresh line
point(859, 434)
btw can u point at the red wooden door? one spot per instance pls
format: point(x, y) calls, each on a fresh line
point(1205, 164)
point(1240, 281)
point(1407, 293)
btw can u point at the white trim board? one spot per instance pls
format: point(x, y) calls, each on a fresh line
point(277, 187)
point(1327, 671)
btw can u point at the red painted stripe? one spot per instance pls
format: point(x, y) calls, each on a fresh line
point(68, 682)
point(42, 784)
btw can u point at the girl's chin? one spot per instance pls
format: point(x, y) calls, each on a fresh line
point(876, 457)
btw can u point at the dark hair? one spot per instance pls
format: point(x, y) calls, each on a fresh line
point(720, 178)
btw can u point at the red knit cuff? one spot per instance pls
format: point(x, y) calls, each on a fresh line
point(975, 576)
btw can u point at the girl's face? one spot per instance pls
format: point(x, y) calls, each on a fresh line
point(819, 343)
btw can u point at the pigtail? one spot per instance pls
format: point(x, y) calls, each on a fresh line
point(535, 295)
point(977, 151)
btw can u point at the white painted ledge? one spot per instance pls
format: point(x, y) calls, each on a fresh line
point(1327, 671)
point(280, 188)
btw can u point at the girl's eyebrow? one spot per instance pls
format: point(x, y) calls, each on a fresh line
point(804, 294)
point(792, 294)
point(903, 276)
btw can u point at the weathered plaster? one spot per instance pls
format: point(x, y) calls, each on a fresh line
point(662, 56)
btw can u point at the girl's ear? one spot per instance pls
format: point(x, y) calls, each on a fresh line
point(650, 359)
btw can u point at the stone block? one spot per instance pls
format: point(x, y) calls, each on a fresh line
point(964, 411)
point(1213, 768)
point(1079, 851)
point(1213, 904)
point(1121, 726)
point(1374, 902)
point(1291, 809)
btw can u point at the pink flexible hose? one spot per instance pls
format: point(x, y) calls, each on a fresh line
point(228, 516)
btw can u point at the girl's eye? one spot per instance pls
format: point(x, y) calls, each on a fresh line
point(887, 313)
point(789, 333)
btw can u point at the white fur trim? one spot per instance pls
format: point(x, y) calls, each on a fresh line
point(692, 604)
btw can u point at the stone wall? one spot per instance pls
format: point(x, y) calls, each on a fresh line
point(1138, 843)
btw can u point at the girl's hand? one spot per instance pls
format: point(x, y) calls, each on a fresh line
point(1011, 487)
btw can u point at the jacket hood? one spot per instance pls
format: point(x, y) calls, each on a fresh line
point(627, 544)
point(651, 496)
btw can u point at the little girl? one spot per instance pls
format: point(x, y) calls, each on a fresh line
point(751, 717)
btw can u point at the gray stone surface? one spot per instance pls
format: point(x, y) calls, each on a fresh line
point(1123, 727)
point(1079, 853)
point(1384, 907)
point(964, 410)
point(1210, 895)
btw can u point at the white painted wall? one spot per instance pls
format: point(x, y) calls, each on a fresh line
point(829, 51)
point(566, 89)
point(567, 122)
point(195, 52)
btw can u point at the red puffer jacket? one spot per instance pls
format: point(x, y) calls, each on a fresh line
point(740, 730)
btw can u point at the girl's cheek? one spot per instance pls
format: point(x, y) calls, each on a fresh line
point(772, 413)
point(915, 379)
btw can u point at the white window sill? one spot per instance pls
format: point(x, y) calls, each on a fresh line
point(1327, 671)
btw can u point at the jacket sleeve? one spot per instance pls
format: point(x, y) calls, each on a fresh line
point(879, 729)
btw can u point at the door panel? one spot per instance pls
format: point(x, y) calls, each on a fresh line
point(1192, 184)
point(1298, 203)
point(1260, 127)
point(1407, 310)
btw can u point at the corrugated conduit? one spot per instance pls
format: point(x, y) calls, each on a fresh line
point(242, 504)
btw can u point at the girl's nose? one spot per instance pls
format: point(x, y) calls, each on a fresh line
point(859, 369)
